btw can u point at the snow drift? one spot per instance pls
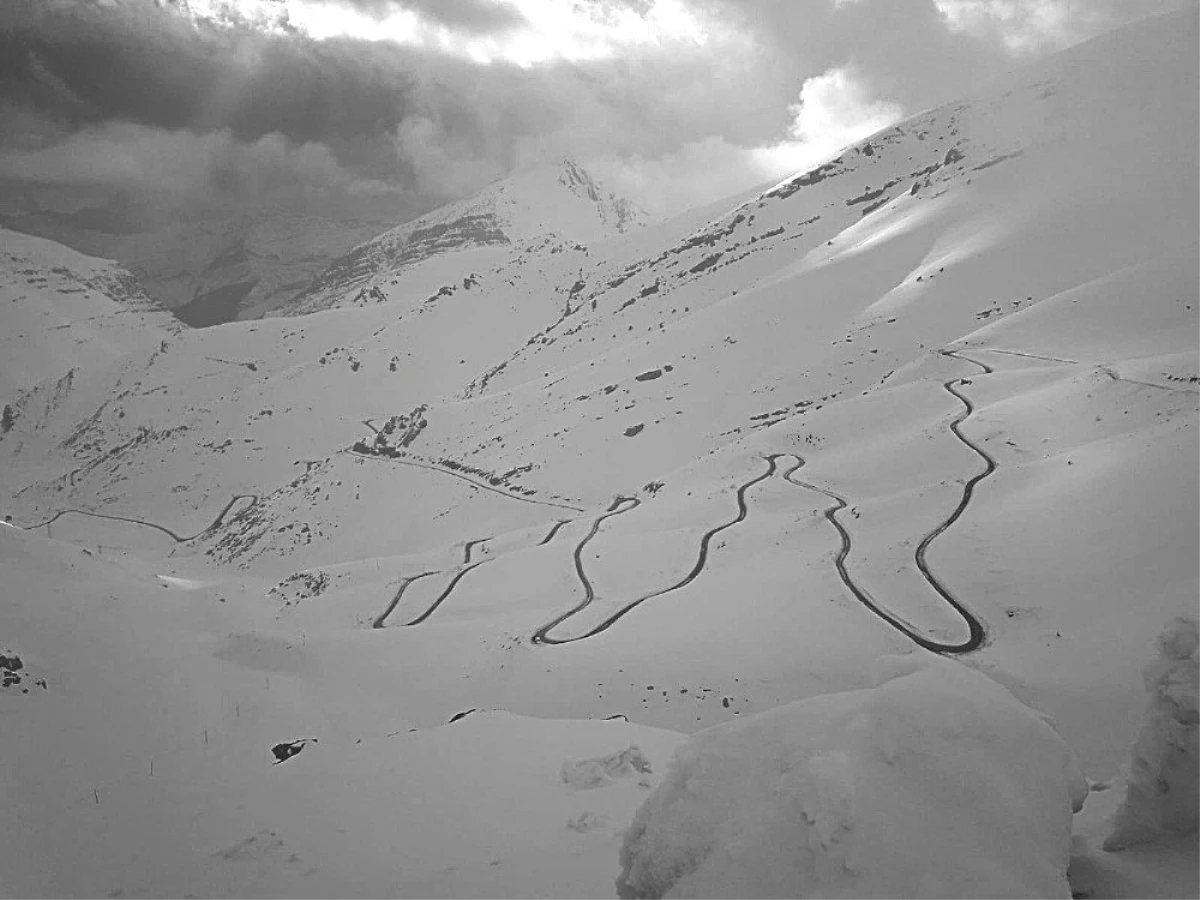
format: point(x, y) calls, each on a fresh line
point(1162, 793)
point(601, 771)
point(936, 782)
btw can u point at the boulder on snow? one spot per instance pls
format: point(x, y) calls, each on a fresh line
point(287, 749)
point(10, 668)
point(1163, 790)
point(936, 782)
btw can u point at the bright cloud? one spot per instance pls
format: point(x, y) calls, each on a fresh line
point(678, 101)
point(835, 108)
point(572, 30)
point(267, 15)
point(1022, 25)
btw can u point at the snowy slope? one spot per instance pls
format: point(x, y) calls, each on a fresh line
point(863, 794)
point(720, 466)
point(209, 269)
point(71, 329)
point(175, 792)
point(62, 309)
point(545, 211)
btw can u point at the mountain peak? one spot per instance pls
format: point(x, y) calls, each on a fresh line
point(548, 204)
point(575, 176)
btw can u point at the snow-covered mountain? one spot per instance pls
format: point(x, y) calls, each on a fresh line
point(207, 269)
point(69, 325)
point(936, 397)
point(541, 212)
point(65, 311)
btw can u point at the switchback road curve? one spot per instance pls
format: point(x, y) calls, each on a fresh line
point(542, 635)
point(976, 634)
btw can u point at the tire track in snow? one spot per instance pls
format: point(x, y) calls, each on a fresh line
point(1106, 369)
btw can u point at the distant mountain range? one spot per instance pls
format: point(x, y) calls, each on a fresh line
point(216, 269)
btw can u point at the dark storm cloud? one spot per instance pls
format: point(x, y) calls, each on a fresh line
point(140, 94)
point(76, 77)
point(144, 63)
point(138, 97)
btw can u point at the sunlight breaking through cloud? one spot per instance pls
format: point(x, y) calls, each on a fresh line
point(835, 109)
point(572, 31)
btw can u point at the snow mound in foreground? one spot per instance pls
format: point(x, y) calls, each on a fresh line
point(936, 782)
point(1163, 790)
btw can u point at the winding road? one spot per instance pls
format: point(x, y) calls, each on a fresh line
point(975, 630)
point(976, 634)
point(618, 506)
point(542, 635)
point(179, 539)
point(465, 567)
point(458, 576)
point(381, 619)
point(553, 531)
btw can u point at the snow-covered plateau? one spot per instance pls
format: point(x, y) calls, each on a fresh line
point(836, 540)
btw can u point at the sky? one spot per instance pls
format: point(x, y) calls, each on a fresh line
point(393, 107)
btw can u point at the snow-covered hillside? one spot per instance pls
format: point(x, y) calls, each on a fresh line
point(63, 309)
point(528, 218)
point(526, 463)
point(208, 269)
point(69, 325)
